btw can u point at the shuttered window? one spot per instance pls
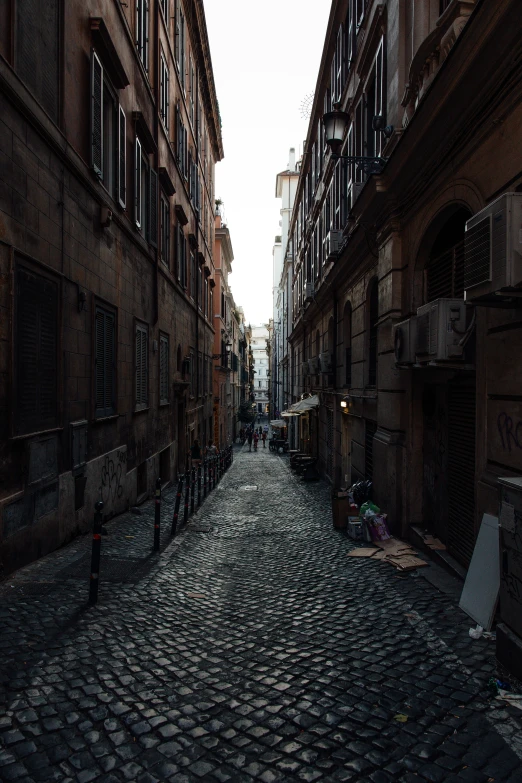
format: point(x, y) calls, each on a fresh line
point(153, 208)
point(164, 230)
point(164, 368)
point(142, 366)
point(122, 159)
point(35, 353)
point(104, 363)
point(182, 257)
point(142, 31)
point(164, 92)
point(96, 114)
point(37, 50)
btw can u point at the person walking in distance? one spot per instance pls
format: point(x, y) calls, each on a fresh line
point(263, 438)
point(256, 438)
point(250, 438)
point(195, 453)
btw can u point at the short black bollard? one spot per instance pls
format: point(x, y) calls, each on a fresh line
point(176, 506)
point(96, 552)
point(157, 515)
point(199, 485)
point(187, 491)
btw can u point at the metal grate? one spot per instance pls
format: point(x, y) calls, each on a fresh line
point(445, 274)
point(461, 471)
point(370, 430)
point(477, 267)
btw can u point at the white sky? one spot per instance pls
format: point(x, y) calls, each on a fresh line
point(265, 58)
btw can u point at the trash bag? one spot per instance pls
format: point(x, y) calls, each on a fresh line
point(361, 491)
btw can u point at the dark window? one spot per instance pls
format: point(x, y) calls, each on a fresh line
point(164, 368)
point(142, 366)
point(165, 230)
point(142, 31)
point(108, 133)
point(164, 92)
point(35, 352)
point(37, 50)
point(104, 362)
point(372, 341)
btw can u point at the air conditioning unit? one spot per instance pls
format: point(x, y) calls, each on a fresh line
point(440, 327)
point(313, 365)
point(309, 291)
point(326, 362)
point(405, 338)
point(493, 251)
point(334, 241)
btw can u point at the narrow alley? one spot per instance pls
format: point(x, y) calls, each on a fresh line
point(249, 649)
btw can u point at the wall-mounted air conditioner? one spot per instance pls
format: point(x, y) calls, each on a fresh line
point(440, 328)
point(313, 365)
point(334, 241)
point(405, 338)
point(493, 251)
point(309, 292)
point(326, 362)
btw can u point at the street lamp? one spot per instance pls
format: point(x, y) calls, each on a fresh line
point(335, 125)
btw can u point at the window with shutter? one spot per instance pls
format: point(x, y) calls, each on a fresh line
point(142, 380)
point(104, 362)
point(153, 208)
point(164, 230)
point(96, 114)
point(35, 398)
point(164, 369)
point(164, 92)
point(142, 31)
point(37, 50)
point(137, 183)
point(122, 158)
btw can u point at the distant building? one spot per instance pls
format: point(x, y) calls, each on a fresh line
point(258, 343)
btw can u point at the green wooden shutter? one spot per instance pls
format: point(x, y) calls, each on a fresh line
point(105, 363)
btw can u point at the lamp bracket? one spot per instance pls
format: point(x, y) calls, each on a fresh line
point(369, 165)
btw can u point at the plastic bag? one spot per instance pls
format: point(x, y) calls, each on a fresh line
point(369, 506)
point(377, 526)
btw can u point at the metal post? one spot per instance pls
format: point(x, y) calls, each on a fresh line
point(199, 485)
point(96, 552)
point(176, 506)
point(205, 478)
point(157, 515)
point(187, 491)
point(192, 489)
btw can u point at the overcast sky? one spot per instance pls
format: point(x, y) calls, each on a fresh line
point(265, 58)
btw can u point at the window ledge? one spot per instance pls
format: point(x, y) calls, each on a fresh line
point(164, 404)
point(36, 434)
point(141, 410)
point(103, 419)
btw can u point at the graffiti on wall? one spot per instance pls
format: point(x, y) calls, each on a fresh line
point(112, 476)
point(510, 431)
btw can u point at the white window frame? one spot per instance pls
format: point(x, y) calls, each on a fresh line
point(164, 91)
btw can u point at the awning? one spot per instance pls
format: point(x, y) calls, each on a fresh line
point(277, 424)
point(306, 405)
point(287, 414)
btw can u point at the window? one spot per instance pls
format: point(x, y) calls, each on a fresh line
point(142, 366)
point(35, 352)
point(164, 230)
point(164, 92)
point(164, 369)
point(182, 257)
point(180, 44)
point(192, 96)
point(142, 31)
point(108, 133)
point(192, 275)
point(181, 145)
point(164, 5)
point(37, 50)
point(104, 362)
point(145, 195)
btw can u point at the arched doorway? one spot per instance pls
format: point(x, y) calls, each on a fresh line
point(448, 404)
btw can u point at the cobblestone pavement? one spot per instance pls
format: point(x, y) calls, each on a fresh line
point(249, 649)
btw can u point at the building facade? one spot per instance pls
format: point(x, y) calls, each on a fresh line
point(431, 416)
point(110, 133)
point(259, 344)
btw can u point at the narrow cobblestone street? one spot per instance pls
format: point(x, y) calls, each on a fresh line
point(249, 649)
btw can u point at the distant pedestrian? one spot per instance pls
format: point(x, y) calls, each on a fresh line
point(263, 437)
point(211, 450)
point(195, 454)
point(250, 438)
point(256, 438)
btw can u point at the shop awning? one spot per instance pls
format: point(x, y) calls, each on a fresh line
point(277, 424)
point(306, 405)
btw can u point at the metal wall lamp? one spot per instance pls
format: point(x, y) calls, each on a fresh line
point(335, 125)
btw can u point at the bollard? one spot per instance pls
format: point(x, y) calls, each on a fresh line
point(96, 552)
point(187, 491)
point(176, 506)
point(205, 478)
point(199, 485)
point(157, 515)
point(192, 489)
point(211, 474)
